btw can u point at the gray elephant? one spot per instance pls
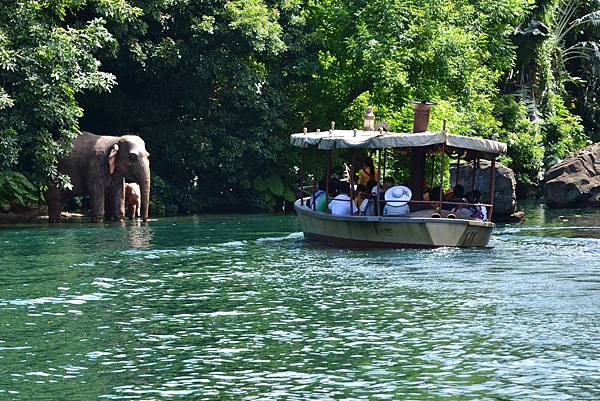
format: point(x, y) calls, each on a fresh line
point(98, 166)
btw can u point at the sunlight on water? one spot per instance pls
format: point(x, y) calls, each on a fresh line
point(241, 307)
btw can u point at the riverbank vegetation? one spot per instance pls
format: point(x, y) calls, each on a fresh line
point(216, 87)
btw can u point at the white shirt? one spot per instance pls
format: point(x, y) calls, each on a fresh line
point(390, 210)
point(483, 211)
point(342, 205)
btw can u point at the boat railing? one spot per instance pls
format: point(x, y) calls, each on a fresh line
point(435, 204)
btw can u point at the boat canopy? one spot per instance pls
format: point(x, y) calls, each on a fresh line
point(344, 139)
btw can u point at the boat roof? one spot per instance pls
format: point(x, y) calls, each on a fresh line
point(345, 139)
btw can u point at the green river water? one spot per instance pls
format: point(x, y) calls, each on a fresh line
point(240, 307)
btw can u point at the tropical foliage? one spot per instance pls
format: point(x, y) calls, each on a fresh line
point(215, 87)
point(48, 55)
point(15, 190)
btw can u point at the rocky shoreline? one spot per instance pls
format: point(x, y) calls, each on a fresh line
point(575, 181)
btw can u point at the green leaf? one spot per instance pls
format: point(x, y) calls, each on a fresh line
point(275, 185)
point(289, 195)
point(19, 198)
point(259, 184)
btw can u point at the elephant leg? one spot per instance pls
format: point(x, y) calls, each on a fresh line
point(55, 202)
point(117, 199)
point(108, 207)
point(97, 203)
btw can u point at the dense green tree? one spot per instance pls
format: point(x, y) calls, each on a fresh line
point(216, 87)
point(390, 53)
point(47, 57)
point(199, 81)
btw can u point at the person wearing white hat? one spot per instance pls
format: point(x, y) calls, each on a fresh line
point(396, 201)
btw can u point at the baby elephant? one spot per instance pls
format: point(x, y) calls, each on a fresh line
point(132, 200)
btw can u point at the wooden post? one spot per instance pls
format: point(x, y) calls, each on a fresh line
point(378, 182)
point(351, 181)
point(443, 167)
point(302, 176)
point(315, 180)
point(327, 179)
point(475, 164)
point(457, 170)
point(492, 186)
point(432, 180)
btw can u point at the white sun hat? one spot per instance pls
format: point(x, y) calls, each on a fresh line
point(398, 195)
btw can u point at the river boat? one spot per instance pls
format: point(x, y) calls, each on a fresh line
point(428, 224)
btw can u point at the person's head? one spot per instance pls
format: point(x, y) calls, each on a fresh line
point(435, 193)
point(361, 188)
point(458, 191)
point(344, 187)
point(322, 184)
point(426, 193)
point(474, 196)
point(370, 185)
point(333, 186)
point(369, 163)
point(388, 182)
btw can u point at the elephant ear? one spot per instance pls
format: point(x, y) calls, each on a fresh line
point(112, 157)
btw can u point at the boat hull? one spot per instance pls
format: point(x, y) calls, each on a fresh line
point(392, 232)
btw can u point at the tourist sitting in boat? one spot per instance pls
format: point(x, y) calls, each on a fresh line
point(475, 210)
point(396, 201)
point(426, 194)
point(425, 197)
point(342, 204)
point(434, 195)
point(388, 182)
point(360, 194)
point(457, 195)
point(368, 205)
point(318, 198)
point(482, 210)
point(334, 184)
point(368, 172)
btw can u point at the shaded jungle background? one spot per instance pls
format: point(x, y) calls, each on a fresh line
point(216, 87)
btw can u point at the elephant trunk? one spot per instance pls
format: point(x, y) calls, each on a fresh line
point(145, 194)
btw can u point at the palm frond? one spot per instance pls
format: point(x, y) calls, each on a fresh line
point(526, 94)
point(588, 49)
point(590, 18)
point(564, 12)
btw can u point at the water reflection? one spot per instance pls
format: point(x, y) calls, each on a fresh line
point(139, 234)
point(237, 307)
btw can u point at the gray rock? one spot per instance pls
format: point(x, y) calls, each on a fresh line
point(575, 181)
point(505, 199)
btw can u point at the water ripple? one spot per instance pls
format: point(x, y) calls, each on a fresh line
point(243, 308)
